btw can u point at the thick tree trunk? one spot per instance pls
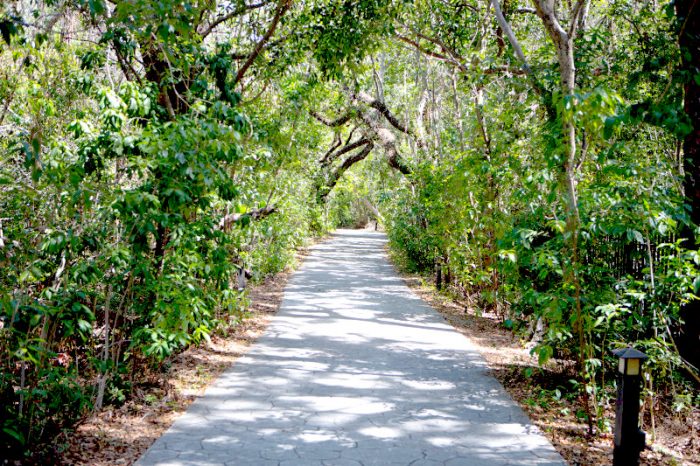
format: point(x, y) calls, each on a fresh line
point(388, 142)
point(688, 13)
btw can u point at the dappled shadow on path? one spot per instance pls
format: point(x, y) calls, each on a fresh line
point(355, 369)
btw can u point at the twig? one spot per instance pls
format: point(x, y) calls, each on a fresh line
point(230, 15)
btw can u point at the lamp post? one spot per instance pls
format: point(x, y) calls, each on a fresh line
point(629, 438)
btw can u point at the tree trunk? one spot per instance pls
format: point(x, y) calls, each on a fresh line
point(564, 43)
point(688, 14)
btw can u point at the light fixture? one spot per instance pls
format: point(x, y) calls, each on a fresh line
point(630, 360)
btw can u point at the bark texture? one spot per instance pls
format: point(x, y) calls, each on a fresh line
point(688, 13)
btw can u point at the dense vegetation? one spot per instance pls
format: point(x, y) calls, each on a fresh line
point(540, 157)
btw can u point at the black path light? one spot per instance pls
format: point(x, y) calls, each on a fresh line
point(629, 438)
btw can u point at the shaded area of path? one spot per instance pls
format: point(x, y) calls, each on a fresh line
point(354, 370)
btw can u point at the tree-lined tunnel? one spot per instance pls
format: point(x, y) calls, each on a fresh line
point(537, 159)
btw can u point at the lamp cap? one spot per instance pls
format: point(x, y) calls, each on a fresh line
point(629, 353)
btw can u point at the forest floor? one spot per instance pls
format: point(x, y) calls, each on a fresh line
point(120, 435)
point(677, 438)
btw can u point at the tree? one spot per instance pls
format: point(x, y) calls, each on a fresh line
point(688, 13)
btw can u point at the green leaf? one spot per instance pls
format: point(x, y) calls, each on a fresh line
point(14, 434)
point(97, 7)
point(634, 235)
point(558, 225)
point(8, 28)
point(544, 353)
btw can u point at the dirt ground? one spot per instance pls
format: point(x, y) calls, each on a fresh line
point(118, 436)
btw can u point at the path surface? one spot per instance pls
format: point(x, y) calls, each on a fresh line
point(354, 370)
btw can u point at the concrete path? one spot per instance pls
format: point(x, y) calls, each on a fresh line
point(354, 370)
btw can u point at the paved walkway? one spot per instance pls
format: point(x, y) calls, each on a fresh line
point(354, 370)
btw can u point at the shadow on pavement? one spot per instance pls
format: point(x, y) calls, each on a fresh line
point(354, 370)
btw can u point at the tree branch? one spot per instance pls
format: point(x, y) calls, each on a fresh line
point(440, 44)
point(563, 42)
point(229, 220)
point(545, 10)
point(575, 15)
point(230, 15)
point(336, 143)
point(454, 59)
point(378, 215)
point(344, 150)
point(504, 69)
point(388, 142)
point(352, 132)
point(509, 33)
point(381, 107)
point(282, 7)
point(422, 49)
point(340, 121)
point(347, 163)
point(539, 89)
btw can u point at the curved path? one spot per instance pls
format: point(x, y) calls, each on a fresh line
point(354, 370)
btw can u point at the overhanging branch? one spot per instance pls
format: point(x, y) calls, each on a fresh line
point(237, 12)
point(344, 150)
point(383, 110)
point(229, 220)
point(282, 7)
point(387, 140)
point(340, 121)
point(347, 163)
